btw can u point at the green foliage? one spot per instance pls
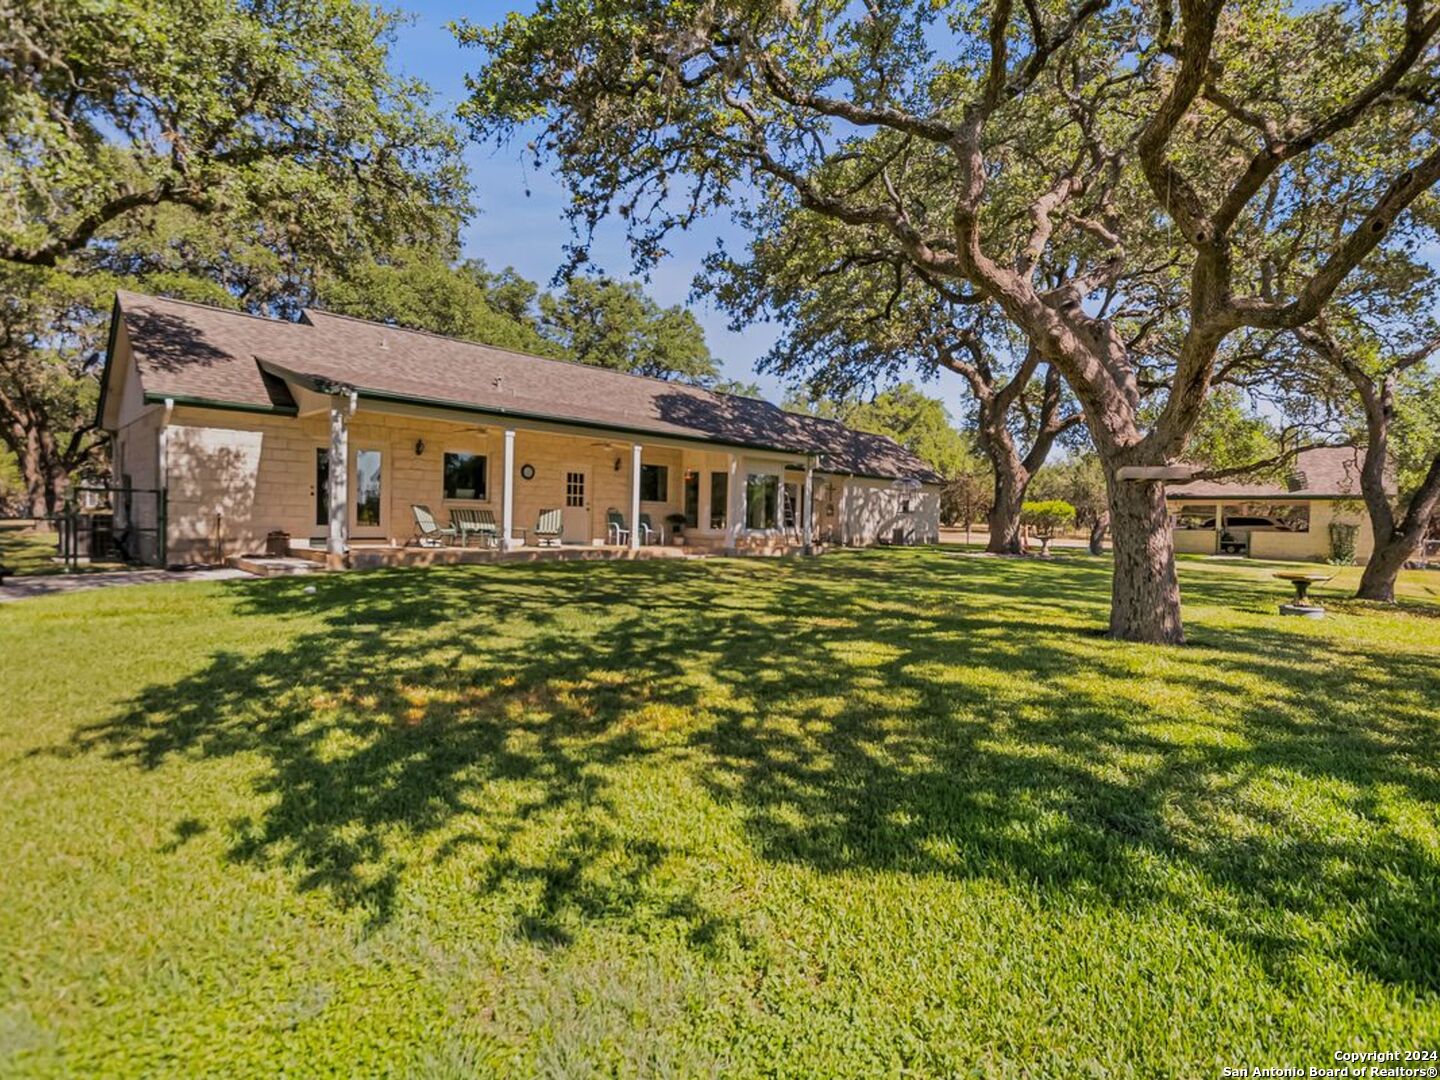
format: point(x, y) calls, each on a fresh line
point(876, 812)
point(218, 151)
point(288, 110)
point(1229, 435)
point(1078, 480)
point(915, 420)
point(423, 291)
point(1047, 517)
point(1343, 538)
point(613, 324)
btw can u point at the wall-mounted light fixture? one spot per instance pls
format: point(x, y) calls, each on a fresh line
point(419, 447)
point(617, 464)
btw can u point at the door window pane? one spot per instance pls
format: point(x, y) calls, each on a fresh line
point(465, 476)
point(322, 487)
point(762, 499)
point(367, 487)
point(574, 489)
point(719, 499)
point(692, 499)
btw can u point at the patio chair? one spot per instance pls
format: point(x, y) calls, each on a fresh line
point(548, 528)
point(473, 522)
point(648, 530)
point(615, 530)
point(427, 532)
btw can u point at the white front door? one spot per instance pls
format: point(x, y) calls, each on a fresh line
point(575, 512)
point(368, 514)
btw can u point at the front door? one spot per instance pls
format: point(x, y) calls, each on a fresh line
point(367, 494)
point(575, 514)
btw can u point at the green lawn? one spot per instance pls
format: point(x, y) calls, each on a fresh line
point(890, 812)
point(25, 551)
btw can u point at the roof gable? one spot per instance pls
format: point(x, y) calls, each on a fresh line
point(1323, 472)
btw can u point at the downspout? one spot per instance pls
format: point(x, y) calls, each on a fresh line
point(162, 499)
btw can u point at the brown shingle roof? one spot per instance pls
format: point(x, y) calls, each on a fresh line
point(189, 350)
point(1325, 472)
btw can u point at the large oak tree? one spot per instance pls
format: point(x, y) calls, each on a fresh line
point(994, 145)
point(275, 133)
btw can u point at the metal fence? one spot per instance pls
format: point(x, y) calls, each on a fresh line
point(113, 524)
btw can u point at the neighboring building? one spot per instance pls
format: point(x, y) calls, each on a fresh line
point(253, 425)
point(1276, 521)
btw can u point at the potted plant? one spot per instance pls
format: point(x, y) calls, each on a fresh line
point(677, 527)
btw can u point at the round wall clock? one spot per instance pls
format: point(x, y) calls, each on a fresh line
point(527, 472)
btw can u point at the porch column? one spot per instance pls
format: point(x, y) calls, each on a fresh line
point(735, 508)
point(342, 405)
point(507, 495)
point(807, 502)
point(635, 495)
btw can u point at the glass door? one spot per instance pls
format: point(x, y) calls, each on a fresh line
point(367, 502)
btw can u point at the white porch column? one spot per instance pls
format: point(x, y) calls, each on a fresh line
point(735, 508)
point(807, 502)
point(507, 496)
point(342, 405)
point(635, 495)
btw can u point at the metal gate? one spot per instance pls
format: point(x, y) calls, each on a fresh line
point(113, 524)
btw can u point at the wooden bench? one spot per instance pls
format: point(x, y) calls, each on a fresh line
point(475, 522)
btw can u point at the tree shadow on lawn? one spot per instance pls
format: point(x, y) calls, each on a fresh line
point(889, 711)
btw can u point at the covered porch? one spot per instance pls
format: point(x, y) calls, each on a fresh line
point(397, 484)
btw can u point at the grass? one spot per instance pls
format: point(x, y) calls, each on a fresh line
point(25, 551)
point(891, 812)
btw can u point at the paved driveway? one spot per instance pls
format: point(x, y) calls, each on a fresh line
point(24, 588)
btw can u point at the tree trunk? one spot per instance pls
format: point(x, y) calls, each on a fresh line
point(1145, 592)
point(44, 475)
point(1097, 532)
point(1004, 516)
point(1388, 559)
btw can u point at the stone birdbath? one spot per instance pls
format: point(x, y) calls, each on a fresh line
point(1301, 605)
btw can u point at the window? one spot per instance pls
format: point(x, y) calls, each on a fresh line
point(367, 487)
point(692, 499)
point(762, 500)
point(1268, 517)
point(654, 483)
point(574, 489)
point(322, 486)
point(719, 499)
point(465, 476)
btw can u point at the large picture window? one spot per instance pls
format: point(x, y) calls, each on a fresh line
point(762, 500)
point(654, 483)
point(464, 476)
point(719, 499)
point(1268, 517)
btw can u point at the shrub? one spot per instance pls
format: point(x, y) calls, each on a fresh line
point(1342, 542)
point(1047, 518)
